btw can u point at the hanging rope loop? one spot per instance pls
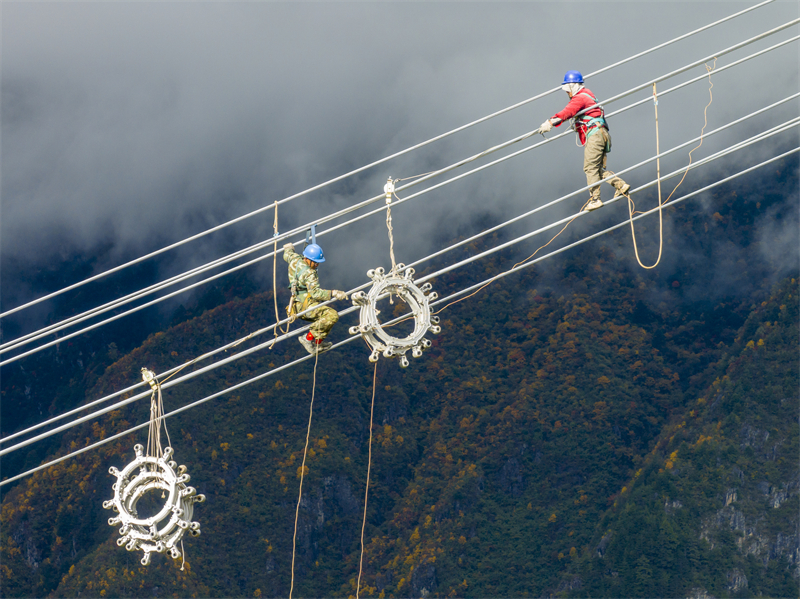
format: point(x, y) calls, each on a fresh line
point(275, 236)
point(632, 206)
point(388, 189)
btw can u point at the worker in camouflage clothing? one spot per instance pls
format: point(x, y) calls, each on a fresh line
point(306, 293)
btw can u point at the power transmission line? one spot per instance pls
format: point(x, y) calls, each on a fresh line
point(758, 137)
point(14, 344)
point(442, 300)
point(368, 166)
point(417, 262)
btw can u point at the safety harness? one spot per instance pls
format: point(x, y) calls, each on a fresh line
point(291, 309)
point(592, 124)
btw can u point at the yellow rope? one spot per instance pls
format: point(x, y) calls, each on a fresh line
point(366, 492)
point(495, 278)
point(189, 363)
point(156, 421)
point(515, 266)
point(275, 281)
point(303, 470)
point(415, 176)
point(702, 131)
point(391, 236)
point(632, 206)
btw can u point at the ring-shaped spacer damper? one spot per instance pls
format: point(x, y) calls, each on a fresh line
point(399, 282)
point(160, 532)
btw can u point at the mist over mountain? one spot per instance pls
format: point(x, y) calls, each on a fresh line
point(580, 428)
point(127, 127)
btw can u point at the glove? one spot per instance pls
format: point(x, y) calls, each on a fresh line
point(546, 126)
point(288, 246)
point(339, 295)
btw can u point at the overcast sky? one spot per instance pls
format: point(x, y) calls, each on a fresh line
point(138, 124)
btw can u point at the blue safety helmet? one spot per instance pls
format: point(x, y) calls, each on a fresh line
point(314, 253)
point(573, 77)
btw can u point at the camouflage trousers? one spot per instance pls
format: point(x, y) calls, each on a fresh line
point(594, 162)
point(322, 319)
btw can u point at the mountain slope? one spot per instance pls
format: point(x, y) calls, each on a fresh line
point(714, 509)
point(498, 457)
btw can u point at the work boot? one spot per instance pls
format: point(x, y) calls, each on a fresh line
point(324, 346)
point(622, 190)
point(309, 345)
point(594, 204)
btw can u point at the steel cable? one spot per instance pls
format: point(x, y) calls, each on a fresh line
point(368, 166)
point(353, 338)
point(14, 344)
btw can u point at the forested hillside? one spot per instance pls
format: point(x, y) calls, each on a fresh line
point(714, 507)
point(585, 429)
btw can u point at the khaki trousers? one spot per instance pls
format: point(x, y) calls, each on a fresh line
point(594, 162)
point(322, 319)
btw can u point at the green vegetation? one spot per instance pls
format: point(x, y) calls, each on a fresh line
point(588, 431)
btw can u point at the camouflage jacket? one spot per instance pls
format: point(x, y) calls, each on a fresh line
point(307, 280)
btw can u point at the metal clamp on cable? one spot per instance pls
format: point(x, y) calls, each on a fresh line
point(371, 329)
point(148, 376)
point(311, 235)
point(388, 189)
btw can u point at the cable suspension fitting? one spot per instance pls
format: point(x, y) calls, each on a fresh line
point(388, 189)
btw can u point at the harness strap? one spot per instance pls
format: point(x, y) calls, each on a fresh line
point(592, 123)
point(301, 268)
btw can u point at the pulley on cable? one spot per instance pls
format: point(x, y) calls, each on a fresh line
point(398, 281)
point(152, 471)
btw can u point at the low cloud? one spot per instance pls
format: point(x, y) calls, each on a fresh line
point(135, 125)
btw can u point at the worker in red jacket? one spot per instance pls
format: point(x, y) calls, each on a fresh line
point(593, 132)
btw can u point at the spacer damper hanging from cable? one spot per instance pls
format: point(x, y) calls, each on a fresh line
point(163, 531)
point(401, 285)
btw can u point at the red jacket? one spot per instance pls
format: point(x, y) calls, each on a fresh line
point(583, 99)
